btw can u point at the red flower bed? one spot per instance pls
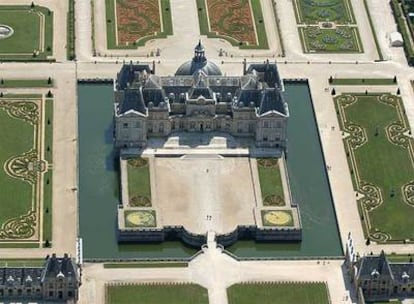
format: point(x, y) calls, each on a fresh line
point(232, 18)
point(136, 19)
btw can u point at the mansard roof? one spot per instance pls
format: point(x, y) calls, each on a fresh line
point(129, 73)
point(62, 267)
point(15, 276)
point(260, 86)
point(132, 100)
point(271, 102)
point(375, 267)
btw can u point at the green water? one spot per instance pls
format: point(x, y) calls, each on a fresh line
point(309, 185)
point(98, 185)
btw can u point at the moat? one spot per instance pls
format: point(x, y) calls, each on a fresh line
point(99, 184)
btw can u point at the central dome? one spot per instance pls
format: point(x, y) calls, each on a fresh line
point(199, 63)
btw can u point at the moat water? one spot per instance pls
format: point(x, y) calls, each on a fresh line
point(99, 185)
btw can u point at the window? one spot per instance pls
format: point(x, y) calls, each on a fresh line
point(161, 127)
point(125, 125)
point(266, 124)
point(138, 124)
point(70, 294)
point(51, 293)
point(264, 138)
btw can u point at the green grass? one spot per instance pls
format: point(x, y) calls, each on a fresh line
point(381, 163)
point(260, 28)
point(16, 195)
point(146, 218)
point(280, 293)
point(70, 23)
point(22, 262)
point(26, 25)
point(111, 26)
point(146, 265)
point(339, 12)
point(157, 294)
point(19, 245)
point(363, 81)
point(26, 83)
point(268, 219)
point(400, 258)
point(343, 39)
point(48, 176)
point(19, 196)
point(139, 183)
point(270, 184)
point(388, 302)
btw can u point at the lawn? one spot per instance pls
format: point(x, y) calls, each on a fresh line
point(23, 167)
point(146, 265)
point(270, 182)
point(342, 39)
point(140, 218)
point(280, 293)
point(381, 161)
point(232, 20)
point(26, 83)
point(157, 294)
point(139, 184)
point(33, 33)
point(312, 12)
point(131, 24)
point(363, 81)
point(22, 262)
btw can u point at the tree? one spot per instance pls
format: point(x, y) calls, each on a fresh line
point(368, 242)
point(32, 5)
point(47, 243)
point(398, 91)
point(330, 79)
point(333, 92)
point(394, 79)
point(49, 80)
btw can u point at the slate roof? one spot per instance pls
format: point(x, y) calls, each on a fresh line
point(57, 266)
point(267, 73)
point(132, 100)
point(20, 275)
point(129, 72)
point(272, 100)
point(261, 85)
point(371, 265)
point(401, 270)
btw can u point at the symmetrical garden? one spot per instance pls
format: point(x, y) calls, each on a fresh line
point(239, 22)
point(132, 23)
point(281, 293)
point(270, 182)
point(327, 26)
point(26, 178)
point(380, 154)
point(30, 33)
point(138, 212)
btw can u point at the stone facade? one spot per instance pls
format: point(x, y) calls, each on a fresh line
point(57, 281)
point(199, 99)
point(377, 279)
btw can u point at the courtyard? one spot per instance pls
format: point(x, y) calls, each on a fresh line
point(31, 35)
point(199, 193)
point(380, 155)
point(26, 177)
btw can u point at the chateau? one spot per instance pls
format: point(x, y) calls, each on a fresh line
point(58, 280)
point(200, 99)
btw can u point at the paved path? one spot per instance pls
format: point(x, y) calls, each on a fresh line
point(217, 271)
